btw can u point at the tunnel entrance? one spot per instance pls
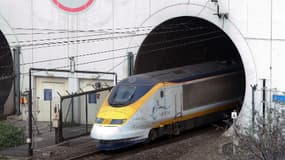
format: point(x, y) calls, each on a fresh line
point(6, 72)
point(185, 41)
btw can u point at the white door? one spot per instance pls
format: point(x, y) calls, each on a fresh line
point(47, 97)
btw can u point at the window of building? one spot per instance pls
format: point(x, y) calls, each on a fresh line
point(92, 98)
point(47, 94)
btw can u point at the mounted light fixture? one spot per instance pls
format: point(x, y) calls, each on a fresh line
point(72, 64)
point(219, 14)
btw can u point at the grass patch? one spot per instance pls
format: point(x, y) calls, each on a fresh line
point(10, 136)
point(4, 158)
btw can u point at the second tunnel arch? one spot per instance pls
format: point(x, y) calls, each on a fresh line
point(6, 74)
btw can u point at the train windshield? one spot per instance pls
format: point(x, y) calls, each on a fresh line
point(123, 95)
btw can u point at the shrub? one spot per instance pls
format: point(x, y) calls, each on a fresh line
point(10, 136)
point(265, 142)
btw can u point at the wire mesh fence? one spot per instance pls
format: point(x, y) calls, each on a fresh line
point(78, 112)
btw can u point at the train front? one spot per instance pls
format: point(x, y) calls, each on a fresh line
point(119, 122)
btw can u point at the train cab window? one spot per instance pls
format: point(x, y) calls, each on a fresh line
point(123, 95)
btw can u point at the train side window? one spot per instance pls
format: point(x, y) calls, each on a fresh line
point(161, 94)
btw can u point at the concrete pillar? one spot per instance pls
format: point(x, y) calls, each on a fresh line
point(73, 87)
point(17, 52)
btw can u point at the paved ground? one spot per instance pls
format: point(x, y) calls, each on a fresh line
point(203, 143)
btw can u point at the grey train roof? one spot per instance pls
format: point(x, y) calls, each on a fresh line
point(185, 73)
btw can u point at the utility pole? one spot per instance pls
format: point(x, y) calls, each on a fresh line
point(30, 129)
point(253, 89)
point(263, 100)
point(17, 52)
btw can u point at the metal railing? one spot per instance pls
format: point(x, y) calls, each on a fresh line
point(77, 113)
point(30, 101)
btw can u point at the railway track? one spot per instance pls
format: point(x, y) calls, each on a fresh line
point(99, 155)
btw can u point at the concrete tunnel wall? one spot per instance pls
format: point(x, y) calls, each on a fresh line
point(255, 28)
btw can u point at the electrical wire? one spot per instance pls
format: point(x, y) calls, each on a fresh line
point(162, 26)
point(107, 51)
point(126, 32)
point(154, 50)
point(105, 38)
point(64, 31)
point(82, 36)
point(110, 30)
point(62, 43)
point(52, 44)
point(144, 52)
point(92, 35)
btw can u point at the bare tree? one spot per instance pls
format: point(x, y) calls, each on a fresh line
point(263, 142)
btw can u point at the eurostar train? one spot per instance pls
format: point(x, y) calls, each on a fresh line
point(146, 106)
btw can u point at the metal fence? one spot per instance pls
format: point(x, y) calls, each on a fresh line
point(77, 113)
point(265, 101)
point(70, 106)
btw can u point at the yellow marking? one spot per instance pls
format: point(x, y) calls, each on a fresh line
point(194, 115)
point(107, 121)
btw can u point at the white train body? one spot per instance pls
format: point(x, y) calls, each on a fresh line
point(166, 107)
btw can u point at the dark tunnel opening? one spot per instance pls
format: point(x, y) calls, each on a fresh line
point(6, 71)
point(184, 41)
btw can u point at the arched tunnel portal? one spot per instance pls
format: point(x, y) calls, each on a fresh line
point(184, 41)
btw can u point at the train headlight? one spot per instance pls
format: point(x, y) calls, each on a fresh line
point(117, 121)
point(99, 120)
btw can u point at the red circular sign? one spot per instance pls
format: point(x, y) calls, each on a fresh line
point(73, 5)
